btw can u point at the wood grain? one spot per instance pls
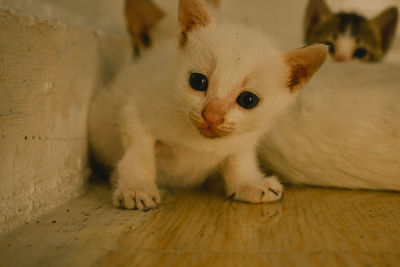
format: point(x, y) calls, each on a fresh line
point(310, 227)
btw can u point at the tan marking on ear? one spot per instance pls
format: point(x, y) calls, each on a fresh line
point(192, 15)
point(303, 63)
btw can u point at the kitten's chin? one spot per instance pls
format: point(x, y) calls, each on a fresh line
point(213, 133)
point(209, 134)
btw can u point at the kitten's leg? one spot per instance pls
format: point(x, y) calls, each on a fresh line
point(135, 175)
point(245, 181)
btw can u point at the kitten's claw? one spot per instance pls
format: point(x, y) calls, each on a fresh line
point(266, 190)
point(141, 197)
point(273, 191)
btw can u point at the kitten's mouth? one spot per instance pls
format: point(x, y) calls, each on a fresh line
point(212, 132)
point(209, 132)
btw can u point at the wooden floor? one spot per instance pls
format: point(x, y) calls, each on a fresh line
point(310, 227)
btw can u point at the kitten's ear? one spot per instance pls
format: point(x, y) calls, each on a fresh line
point(303, 63)
point(192, 15)
point(317, 12)
point(141, 16)
point(385, 26)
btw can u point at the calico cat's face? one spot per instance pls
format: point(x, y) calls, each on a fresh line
point(232, 81)
point(349, 35)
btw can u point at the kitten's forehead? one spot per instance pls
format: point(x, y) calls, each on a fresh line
point(358, 27)
point(350, 21)
point(231, 53)
point(241, 44)
point(349, 24)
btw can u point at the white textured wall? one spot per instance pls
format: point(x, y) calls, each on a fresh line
point(48, 71)
point(47, 74)
point(102, 15)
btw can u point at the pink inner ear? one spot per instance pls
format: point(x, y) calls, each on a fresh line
point(299, 74)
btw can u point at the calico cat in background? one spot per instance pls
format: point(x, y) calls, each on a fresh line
point(196, 107)
point(350, 35)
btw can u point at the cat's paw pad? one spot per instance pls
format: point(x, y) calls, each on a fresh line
point(267, 190)
point(136, 197)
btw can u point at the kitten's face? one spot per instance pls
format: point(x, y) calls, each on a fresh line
point(229, 85)
point(349, 35)
point(231, 80)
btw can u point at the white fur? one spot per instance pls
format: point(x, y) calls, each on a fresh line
point(141, 126)
point(344, 130)
point(345, 46)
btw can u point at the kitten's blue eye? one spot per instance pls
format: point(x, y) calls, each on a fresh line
point(360, 53)
point(198, 82)
point(331, 47)
point(247, 100)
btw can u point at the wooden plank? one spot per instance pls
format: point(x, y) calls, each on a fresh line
point(310, 227)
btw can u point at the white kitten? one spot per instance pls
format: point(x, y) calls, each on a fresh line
point(192, 109)
point(344, 131)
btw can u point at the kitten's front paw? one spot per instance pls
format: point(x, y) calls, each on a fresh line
point(136, 197)
point(266, 190)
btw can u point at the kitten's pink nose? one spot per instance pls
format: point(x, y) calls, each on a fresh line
point(212, 118)
point(214, 113)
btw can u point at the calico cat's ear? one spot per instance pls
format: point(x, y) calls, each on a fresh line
point(303, 63)
point(192, 15)
point(385, 26)
point(317, 12)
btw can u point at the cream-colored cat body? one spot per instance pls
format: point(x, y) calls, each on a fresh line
point(197, 106)
point(344, 131)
